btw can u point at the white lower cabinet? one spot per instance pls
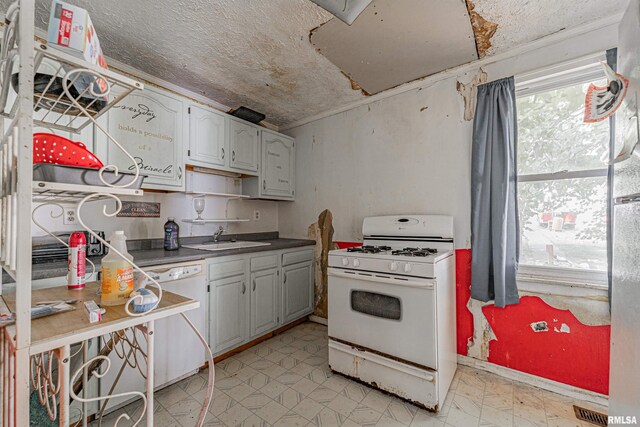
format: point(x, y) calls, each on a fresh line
point(298, 295)
point(227, 308)
point(264, 301)
point(249, 297)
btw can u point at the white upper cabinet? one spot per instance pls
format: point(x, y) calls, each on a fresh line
point(207, 137)
point(278, 166)
point(244, 144)
point(149, 125)
point(277, 169)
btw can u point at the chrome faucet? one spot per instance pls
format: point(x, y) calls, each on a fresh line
point(218, 233)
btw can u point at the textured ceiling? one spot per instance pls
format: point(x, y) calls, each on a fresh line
point(257, 52)
point(521, 21)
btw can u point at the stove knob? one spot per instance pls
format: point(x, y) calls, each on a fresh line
point(345, 261)
point(407, 268)
point(393, 266)
point(356, 262)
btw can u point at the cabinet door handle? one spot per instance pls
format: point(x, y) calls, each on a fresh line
point(244, 288)
point(179, 172)
point(264, 184)
point(254, 286)
point(233, 156)
point(284, 278)
point(222, 153)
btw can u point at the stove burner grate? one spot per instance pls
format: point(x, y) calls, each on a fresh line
point(369, 249)
point(419, 252)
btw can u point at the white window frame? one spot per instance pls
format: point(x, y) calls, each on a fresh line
point(582, 70)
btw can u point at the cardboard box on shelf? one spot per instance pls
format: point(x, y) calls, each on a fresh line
point(71, 30)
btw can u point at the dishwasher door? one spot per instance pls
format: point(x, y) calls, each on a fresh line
point(178, 351)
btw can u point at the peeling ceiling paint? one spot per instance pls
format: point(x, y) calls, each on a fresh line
point(483, 30)
point(257, 52)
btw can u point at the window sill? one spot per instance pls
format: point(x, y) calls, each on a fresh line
point(563, 275)
point(562, 281)
point(561, 286)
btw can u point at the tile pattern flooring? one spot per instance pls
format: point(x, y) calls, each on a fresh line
point(286, 381)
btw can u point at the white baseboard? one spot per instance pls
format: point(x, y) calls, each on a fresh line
point(318, 319)
point(536, 381)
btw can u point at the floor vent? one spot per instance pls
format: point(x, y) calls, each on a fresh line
point(591, 416)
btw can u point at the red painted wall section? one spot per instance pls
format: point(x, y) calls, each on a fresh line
point(574, 354)
point(345, 245)
point(464, 318)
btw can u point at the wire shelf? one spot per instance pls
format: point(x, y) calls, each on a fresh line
point(72, 193)
point(63, 84)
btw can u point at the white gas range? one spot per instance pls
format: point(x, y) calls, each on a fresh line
point(392, 307)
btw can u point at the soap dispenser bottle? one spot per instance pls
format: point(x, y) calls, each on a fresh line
point(171, 235)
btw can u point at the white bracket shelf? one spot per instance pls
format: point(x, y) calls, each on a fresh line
point(212, 194)
point(207, 221)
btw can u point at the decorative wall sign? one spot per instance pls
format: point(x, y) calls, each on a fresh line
point(139, 210)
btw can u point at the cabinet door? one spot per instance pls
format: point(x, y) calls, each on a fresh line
point(297, 290)
point(227, 308)
point(207, 136)
point(244, 146)
point(264, 301)
point(149, 125)
point(278, 170)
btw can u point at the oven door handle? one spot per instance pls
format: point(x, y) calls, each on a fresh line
point(378, 279)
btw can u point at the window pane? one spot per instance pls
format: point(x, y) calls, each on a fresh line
point(563, 223)
point(552, 135)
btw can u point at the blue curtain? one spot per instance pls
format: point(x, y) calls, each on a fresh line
point(495, 237)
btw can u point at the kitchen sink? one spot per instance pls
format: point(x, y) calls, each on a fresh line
point(221, 246)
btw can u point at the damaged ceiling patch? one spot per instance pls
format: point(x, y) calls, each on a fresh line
point(392, 42)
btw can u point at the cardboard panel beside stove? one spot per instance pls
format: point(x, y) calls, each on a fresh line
point(411, 153)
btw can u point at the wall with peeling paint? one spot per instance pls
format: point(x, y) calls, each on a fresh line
point(411, 153)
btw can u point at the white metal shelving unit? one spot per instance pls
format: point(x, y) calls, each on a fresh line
point(30, 351)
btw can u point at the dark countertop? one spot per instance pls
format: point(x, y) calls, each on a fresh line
point(150, 252)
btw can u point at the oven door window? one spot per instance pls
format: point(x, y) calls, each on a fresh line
point(378, 305)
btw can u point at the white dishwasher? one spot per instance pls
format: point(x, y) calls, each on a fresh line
point(178, 351)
